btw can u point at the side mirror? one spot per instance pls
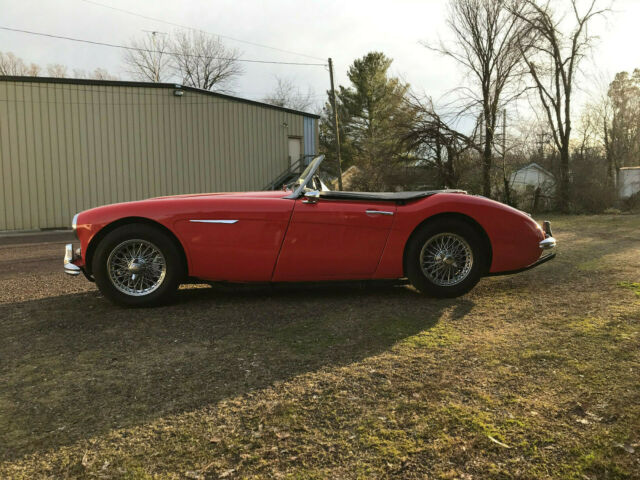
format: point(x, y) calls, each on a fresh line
point(311, 197)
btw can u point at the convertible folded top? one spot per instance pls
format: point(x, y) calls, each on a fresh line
point(384, 196)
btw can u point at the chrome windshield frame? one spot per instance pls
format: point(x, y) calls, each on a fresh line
point(315, 164)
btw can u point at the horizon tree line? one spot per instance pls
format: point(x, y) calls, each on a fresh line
point(510, 50)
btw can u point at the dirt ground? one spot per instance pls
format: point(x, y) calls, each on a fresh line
point(535, 375)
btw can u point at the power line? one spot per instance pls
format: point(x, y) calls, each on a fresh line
point(159, 20)
point(125, 47)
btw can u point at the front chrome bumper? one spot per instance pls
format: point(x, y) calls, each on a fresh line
point(69, 256)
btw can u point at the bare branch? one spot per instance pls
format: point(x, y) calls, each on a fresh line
point(12, 65)
point(286, 94)
point(150, 61)
point(552, 64)
point(202, 61)
point(490, 38)
point(57, 71)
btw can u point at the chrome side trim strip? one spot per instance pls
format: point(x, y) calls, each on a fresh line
point(378, 212)
point(214, 221)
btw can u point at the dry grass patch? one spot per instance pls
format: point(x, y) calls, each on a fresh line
point(529, 376)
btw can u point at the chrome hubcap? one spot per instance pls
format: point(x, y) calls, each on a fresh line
point(446, 259)
point(136, 267)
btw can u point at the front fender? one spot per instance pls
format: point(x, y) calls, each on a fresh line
point(92, 225)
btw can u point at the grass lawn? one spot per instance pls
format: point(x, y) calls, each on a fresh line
point(535, 375)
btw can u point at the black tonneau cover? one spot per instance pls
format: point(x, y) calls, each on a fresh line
point(400, 197)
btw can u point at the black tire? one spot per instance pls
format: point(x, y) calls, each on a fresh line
point(162, 290)
point(453, 229)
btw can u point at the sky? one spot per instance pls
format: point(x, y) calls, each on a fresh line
point(343, 30)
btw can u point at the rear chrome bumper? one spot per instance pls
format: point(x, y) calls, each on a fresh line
point(548, 243)
point(69, 256)
point(539, 262)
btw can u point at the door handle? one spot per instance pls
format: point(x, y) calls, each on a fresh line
point(311, 197)
point(378, 212)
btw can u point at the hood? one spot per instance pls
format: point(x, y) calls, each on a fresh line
point(161, 207)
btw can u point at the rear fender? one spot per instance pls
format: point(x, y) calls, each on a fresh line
point(512, 235)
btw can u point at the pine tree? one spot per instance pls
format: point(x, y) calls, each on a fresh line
point(370, 112)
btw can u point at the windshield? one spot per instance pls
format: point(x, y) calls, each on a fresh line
point(305, 177)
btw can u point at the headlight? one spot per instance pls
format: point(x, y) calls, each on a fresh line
point(74, 222)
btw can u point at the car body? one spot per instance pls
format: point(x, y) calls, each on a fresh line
point(304, 234)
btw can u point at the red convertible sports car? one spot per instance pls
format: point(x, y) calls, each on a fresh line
point(443, 241)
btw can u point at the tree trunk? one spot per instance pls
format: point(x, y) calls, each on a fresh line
point(507, 189)
point(441, 173)
point(563, 194)
point(536, 200)
point(486, 163)
point(611, 181)
point(450, 168)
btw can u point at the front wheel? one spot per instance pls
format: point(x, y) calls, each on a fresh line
point(137, 265)
point(445, 258)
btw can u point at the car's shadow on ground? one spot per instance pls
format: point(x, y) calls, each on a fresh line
point(75, 366)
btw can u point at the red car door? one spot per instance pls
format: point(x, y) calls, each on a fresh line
point(235, 238)
point(334, 240)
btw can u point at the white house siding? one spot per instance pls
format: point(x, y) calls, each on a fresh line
point(533, 177)
point(628, 181)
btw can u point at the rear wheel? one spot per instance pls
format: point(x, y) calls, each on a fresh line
point(445, 258)
point(137, 265)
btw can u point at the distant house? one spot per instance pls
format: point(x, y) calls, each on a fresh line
point(532, 177)
point(628, 181)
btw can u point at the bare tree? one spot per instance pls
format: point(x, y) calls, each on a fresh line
point(434, 139)
point(553, 61)
point(623, 129)
point(287, 94)
point(12, 65)
point(57, 70)
point(202, 61)
point(488, 44)
point(97, 74)
point(148, 58)
point(102, 74)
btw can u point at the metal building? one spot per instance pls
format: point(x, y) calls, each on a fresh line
point(67, 145)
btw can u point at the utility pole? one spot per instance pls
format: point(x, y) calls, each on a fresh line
point(155, 61)
point(155, 67)
point(335, 124)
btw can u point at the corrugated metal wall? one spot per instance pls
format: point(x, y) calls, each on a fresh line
point(310, 128)
point(68, 147)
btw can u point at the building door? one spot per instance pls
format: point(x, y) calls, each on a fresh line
point(295, 150)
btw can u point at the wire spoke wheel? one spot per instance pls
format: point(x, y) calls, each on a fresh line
point(446, 259)
point(136, 267)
